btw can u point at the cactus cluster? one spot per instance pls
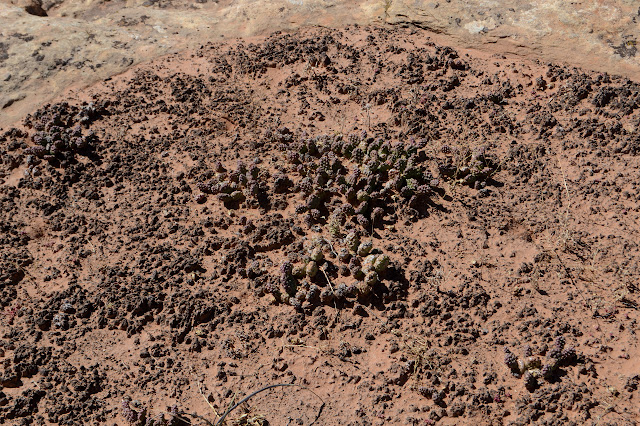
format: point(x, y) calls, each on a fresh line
point(344, 187)
point(532, 368)
point(59, 134)
point(369, 173)
point(302, 282)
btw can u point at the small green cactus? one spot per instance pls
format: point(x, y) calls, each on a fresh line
point(362, 195)
point(365, 248)
point(312, 269)
point(352, 241)
point(316, 254)
point(299, 271)
point(381, 263)
point(368, 264)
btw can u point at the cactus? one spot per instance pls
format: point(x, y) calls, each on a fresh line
point(357, 273)
point(316, 254)
point(368, 263)
point(358, 155)
point(381, 263)
point(299, 271)
point(371, 278)
point(347, 210)
point(306, 186)
point(362, 195)
point(315, 214)
point(352, 241)
point(377, 214)
point(312, 269)
point(365, 248)
point(295, 303)
point(363, 221)
point(363, 289)
point(286, 268)
point(334, 226)
point(344, 255)
point(568, 356)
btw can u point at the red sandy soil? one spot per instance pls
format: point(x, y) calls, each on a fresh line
point(504, 192)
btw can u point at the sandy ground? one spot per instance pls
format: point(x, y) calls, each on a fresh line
point(406, 232)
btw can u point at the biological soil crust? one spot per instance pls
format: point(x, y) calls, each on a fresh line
point(417, 235)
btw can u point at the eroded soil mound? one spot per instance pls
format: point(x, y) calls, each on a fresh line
point(418, 235)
